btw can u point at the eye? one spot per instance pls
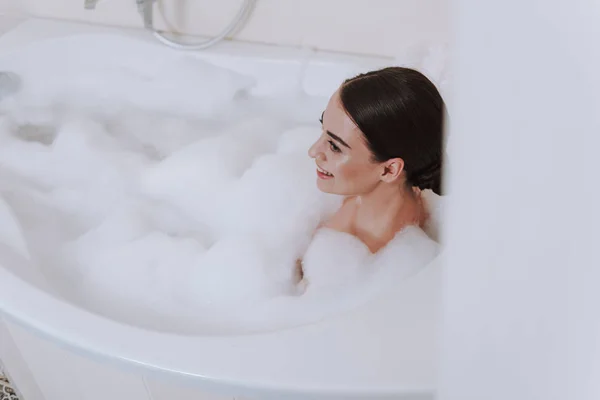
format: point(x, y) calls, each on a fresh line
point(334, 147)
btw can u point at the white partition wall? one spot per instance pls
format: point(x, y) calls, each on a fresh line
point(522, 296)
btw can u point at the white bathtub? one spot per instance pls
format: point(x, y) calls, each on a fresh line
point(55, 350)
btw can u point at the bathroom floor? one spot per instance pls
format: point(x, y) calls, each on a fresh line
point(6, 390)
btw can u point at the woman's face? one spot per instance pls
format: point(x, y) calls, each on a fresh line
point(344, 162)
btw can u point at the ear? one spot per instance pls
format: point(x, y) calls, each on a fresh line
point(392, 170)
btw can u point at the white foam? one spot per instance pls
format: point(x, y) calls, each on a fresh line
point(112, 72)
point(335, 258)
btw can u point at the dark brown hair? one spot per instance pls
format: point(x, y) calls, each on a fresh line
point(401, 114)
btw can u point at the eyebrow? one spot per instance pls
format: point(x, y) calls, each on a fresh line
point(334, 136)
point(338, 139)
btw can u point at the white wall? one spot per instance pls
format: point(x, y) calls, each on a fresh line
point(376, 27)
point(521, 294)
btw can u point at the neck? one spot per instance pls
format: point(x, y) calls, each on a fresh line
point(390, 202)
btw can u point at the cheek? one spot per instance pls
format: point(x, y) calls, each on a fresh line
point(342, 162)
point(351, 177)
point(341, 166)
point(351, 173)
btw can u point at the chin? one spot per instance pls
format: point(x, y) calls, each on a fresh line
point(324, 186)
point(329, 188)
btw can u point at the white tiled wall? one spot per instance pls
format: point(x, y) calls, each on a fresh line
point(376, 27)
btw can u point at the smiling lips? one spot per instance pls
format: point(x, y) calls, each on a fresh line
point(322, 174)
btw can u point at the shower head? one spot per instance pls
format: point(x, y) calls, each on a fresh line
point(10, 83)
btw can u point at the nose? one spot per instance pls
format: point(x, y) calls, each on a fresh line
point(315, 149)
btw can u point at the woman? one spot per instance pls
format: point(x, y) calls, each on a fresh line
point(382, 143)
